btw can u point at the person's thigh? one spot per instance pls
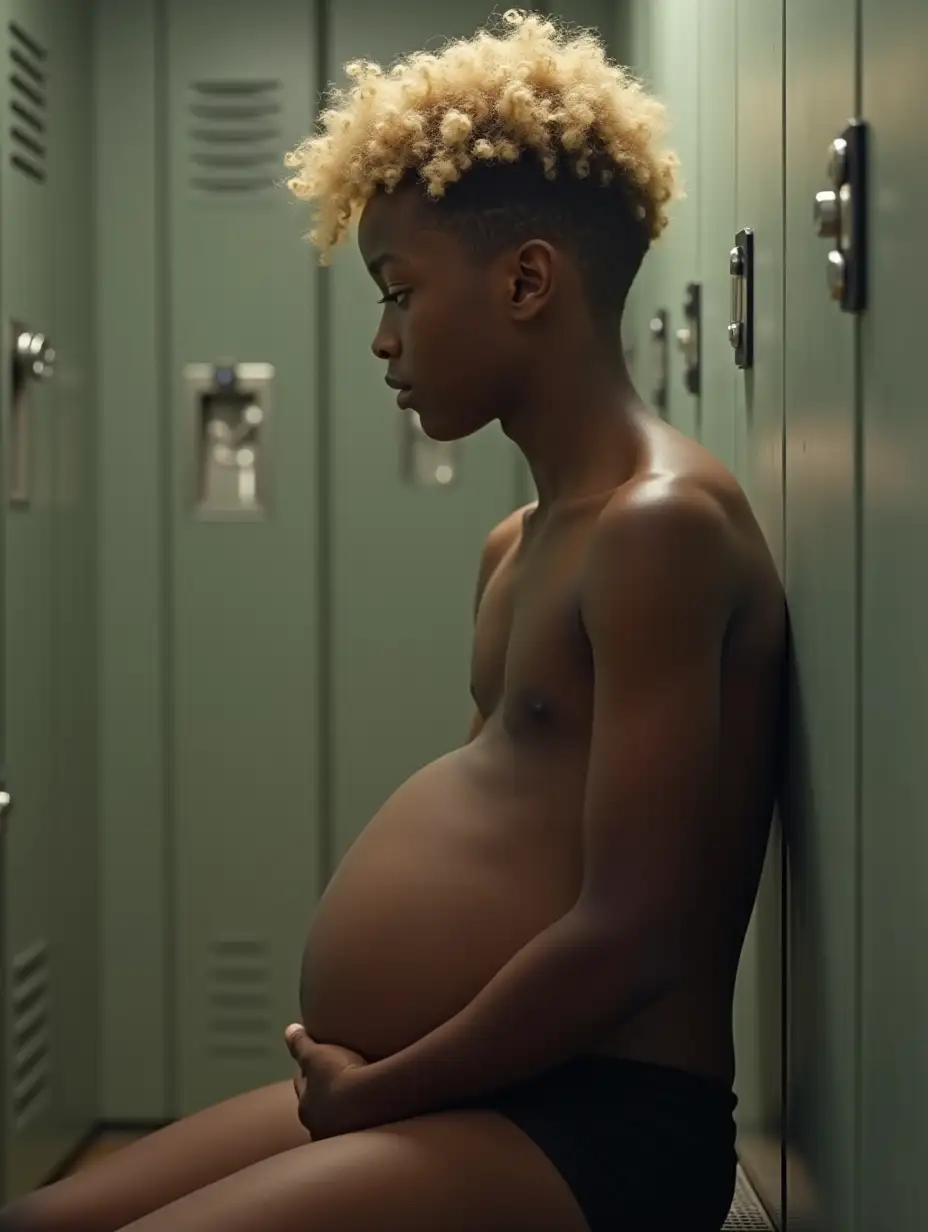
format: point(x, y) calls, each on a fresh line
point(451, 1172)
point(165, 1166)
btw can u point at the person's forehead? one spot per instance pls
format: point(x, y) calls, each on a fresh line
point(397, 224)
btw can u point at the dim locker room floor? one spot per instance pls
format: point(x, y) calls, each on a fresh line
point(747, 1215)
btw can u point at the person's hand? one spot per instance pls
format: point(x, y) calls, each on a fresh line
point(324, 1084)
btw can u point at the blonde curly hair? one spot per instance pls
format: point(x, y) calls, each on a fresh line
point(490, 99)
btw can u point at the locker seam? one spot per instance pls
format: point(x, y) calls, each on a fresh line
point(165, 446)
point(859, 505)
point(859, 560)
point(93, 453)
point(5, 1071)
point(322, 289)
point(785, 898)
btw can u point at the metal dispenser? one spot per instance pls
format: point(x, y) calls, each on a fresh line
point(230, 410)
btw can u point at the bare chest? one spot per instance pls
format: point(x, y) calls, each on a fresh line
point(531, 665)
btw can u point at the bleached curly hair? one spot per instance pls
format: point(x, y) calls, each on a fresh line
point(535, 96)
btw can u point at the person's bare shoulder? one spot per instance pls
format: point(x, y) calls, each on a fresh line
point(501, 539)
point(693, 523)
point(668, 543)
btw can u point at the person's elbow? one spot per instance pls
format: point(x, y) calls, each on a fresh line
point(645, 948)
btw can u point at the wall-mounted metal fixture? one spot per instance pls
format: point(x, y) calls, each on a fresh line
point(425, 463)
point(230, 406)
point(33, 360)
point(689, 338)
point(741, 320)
point(841, 216)
point(660, 341)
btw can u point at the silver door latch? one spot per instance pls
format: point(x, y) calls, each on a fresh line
point(840, 216)
point(741, 320)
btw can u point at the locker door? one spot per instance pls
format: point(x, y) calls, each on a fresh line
point(633, 48)
point(402, 555)
point(239, 90)
point(822, 490)
point(758, 460)
point(75, 850)
point(28, 183)
point(894, 995)
point(675, 260)
point(717, 139)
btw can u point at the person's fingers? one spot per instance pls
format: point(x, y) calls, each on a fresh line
point(298, 1042)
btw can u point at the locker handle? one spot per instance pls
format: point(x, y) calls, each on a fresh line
point(33, 360)
point(741, 322)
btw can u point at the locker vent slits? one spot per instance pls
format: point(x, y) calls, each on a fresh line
point(238, 1013)
point(235, 138)
point(747, 1214)
point(30, 1021)
point(28, 118)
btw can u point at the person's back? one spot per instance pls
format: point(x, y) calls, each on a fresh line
point(517, 989)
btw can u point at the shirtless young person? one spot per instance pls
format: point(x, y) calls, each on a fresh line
point(534, 943)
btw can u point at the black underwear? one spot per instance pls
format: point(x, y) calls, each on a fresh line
point(643, 1148)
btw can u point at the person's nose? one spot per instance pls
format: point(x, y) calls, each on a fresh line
point(386, 344)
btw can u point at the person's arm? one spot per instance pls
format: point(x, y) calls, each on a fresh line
point(657, 600)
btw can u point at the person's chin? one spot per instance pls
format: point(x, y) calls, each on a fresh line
point(446, 428)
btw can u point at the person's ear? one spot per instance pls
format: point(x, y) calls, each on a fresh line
point(531, 280)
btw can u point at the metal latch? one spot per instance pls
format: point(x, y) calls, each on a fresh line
point(840, 215)
point(33, 361)
point(689, 337)
point(741, 320)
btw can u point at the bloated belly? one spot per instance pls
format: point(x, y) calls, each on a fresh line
point(458, 870)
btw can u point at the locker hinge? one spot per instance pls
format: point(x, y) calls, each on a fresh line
point(841, 216)
point(741, 322)
point(689, 337)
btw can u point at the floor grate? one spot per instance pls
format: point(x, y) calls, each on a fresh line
point(746, 1214)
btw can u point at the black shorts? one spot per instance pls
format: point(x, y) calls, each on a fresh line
point(643, 1148)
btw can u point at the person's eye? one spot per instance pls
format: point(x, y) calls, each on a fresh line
point(399, 298)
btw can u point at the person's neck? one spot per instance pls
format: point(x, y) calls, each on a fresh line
point(577, 428)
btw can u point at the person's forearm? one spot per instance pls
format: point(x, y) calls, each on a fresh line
point(552, 1001)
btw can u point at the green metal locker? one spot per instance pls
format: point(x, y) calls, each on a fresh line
point(49, 954)
point(633, 33)
point(674, 76)
point(718, 72)
point(238, 88)
point(822, 545)
point(133, 615)
point(74, 869)
point(894, 689)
